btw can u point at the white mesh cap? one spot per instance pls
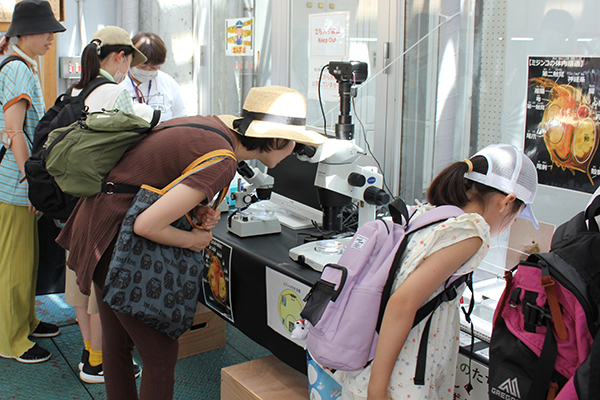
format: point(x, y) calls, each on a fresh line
point(510, 171)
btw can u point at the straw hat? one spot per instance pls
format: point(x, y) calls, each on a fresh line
point(113, 35)
point(32, 17)
point(274, 112)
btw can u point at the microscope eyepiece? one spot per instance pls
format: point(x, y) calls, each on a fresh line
point(245, 170)
point(304, 150)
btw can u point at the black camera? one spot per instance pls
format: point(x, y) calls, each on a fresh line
point(347, 74)
point(355, 72)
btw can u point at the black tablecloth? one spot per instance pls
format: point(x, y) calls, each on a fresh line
point(250, 258)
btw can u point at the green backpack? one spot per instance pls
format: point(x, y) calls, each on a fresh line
point(80, 155)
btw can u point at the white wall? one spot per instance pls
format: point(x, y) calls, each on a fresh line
point(96, 14)
point(172, 21)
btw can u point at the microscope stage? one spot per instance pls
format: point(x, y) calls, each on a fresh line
point(254, 223)
point(319, 253)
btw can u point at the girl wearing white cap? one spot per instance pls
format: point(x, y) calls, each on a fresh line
point(273, 120)
point(110, 54)
point(493, 187)
point(33, 24)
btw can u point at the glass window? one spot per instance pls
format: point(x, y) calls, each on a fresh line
point(437, 80)
point(511, 33)
point(233, 76)
point(362, 28)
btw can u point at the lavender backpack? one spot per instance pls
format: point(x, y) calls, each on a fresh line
point(345, 306)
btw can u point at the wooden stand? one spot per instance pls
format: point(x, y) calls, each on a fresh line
point(263, 379)
point(207, 333)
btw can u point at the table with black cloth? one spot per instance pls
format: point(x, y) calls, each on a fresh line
point(249, 260)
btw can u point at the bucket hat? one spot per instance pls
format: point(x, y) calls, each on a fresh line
point(113, 35)
point(32, 17)
point(274, 112)
point(509, 171)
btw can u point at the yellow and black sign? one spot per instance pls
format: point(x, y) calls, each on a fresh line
point(239, 40)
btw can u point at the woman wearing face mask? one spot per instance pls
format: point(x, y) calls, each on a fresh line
point(146, 84)
point(110, 54)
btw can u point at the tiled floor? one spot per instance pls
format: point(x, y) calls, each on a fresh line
point(196, 377)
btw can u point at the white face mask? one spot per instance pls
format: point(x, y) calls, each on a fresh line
point(120, 76)
point(141, 75)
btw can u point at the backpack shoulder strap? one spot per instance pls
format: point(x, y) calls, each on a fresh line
point(438, 214)
point(591, 212)
point(448, 294)
point(198, 164)
point(92, 85)
point(205, 127)
point(11, 58)
point(435, 215)
point(398, 211)
point(2, 64)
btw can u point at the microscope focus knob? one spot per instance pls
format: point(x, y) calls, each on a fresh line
point(375, 196)
point(356, 179)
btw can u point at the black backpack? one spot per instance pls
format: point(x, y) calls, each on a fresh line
point(44, 193)
point(548, 316)
point(4, 62)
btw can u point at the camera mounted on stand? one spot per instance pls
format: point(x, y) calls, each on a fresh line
point(348, 74)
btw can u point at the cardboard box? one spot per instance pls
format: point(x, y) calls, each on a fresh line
point(263, 379)
point(206, 334)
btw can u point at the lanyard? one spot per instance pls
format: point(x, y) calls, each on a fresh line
point(138, 93)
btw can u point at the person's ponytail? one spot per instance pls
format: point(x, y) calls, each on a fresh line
point(90, 65)
point(92, 56)
point(450, 187)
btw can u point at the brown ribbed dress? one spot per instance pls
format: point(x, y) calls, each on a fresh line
point(156, 161)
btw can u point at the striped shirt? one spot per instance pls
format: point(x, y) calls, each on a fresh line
point(18, 82)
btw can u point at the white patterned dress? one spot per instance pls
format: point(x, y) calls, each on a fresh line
point(443, 344)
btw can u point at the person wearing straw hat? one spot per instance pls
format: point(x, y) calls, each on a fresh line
point(33, 25)
point(110, 54)
point(272, 122)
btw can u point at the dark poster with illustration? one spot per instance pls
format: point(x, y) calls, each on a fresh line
point(562, 120)
point(216, 278)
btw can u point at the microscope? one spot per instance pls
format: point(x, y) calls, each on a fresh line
point(339, 180)
point(243, 222)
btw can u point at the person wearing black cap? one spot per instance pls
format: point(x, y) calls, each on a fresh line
point(34, 25)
